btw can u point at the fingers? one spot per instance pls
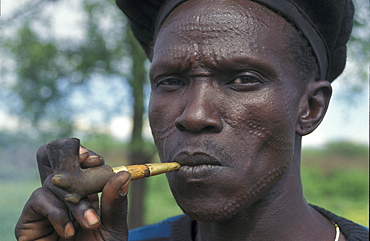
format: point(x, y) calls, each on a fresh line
point(113, 212)
point(43, 163)
point(83, 212)
point(114, 203)
point(89, 158)
point(84, 154)
point(41, 218)
point(47, 216)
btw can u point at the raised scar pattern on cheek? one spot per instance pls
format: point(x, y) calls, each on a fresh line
point(244, 120)
point(164, 132)
point(253, 127)
point(257, 130)
point(257, 188)
point(233, 205)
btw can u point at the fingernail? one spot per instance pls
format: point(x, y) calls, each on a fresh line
point(69, 230)
point(83, 153)
point(94, 157)
point(91, 217)
point(82, 150)
point(124, 189)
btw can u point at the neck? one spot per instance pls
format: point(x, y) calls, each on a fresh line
point(282, 214)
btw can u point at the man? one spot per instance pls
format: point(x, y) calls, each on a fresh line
point(235, 86)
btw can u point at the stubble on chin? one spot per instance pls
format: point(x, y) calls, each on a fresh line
point(205, 212)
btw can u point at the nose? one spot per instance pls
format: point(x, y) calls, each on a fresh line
point(200, 114)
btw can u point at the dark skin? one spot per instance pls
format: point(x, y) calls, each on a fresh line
point(227, 104)
point(46, 216)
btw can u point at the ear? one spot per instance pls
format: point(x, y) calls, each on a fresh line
point(313, 106)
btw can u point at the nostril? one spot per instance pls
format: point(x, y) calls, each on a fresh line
point(199, 116)
point(197, 126)
point(210, 129)
point(180, 127)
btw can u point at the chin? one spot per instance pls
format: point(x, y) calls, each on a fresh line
point(208, 217)
point(219, 208)
point(209, 211)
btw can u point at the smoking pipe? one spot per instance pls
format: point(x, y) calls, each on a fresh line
point(63, 154)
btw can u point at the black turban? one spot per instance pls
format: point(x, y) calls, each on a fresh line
point(326, 24)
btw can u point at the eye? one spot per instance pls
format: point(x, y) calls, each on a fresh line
point(245, 81)
point(169, 83)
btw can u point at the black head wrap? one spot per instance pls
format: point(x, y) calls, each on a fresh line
point(326, 24)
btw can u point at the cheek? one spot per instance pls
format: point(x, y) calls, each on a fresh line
point(260, 114)
point(162, 117)
point(264, 125)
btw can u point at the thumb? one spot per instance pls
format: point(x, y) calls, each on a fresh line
point(114, 204)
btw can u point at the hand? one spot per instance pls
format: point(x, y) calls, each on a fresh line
point(47, 216)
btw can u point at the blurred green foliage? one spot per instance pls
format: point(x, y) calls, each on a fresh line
point(44, 71)
point(343, 192)
point(336, 177)
point(346, 149)
point(340, 149)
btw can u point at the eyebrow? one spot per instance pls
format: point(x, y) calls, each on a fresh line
point(220, 66)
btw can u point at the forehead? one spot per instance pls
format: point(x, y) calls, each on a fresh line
point(222, 29)
point(214, 18)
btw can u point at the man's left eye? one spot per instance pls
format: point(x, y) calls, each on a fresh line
point(246, 80)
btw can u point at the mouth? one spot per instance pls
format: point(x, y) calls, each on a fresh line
point(197, 166)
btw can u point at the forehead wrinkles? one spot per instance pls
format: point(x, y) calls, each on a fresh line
point(216, 35)
point(209, 33)
point(206, 23)
point(207, 27)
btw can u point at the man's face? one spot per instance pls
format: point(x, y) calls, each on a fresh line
point(224, 104)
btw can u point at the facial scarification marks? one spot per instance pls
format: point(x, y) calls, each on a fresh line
point(231, 206)
point(222, 24)
point(164, 132)
point(273, 176)
point(186, 55)
point(254, 128)
point(232, 19)
point(216, 30)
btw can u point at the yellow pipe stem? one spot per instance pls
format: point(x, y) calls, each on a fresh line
point(148, 170)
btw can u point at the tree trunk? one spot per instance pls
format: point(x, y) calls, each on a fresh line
point(136, 151)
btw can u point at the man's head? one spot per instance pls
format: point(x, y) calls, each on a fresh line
point(229, 102)
point(226, 103)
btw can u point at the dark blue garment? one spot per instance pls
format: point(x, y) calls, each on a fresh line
point(182, 228)
point(154, 231)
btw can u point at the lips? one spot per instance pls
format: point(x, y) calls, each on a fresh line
point(197, 166)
